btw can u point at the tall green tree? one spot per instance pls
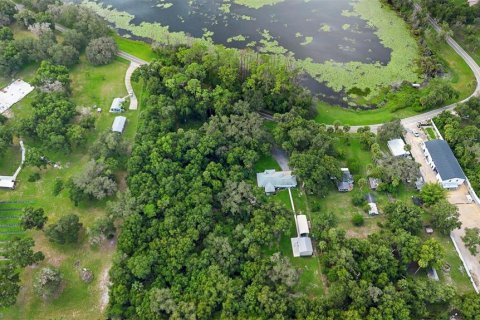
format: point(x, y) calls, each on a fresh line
point(65, 230)
point(445, 217)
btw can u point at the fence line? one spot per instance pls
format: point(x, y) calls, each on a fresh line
point(464, 264)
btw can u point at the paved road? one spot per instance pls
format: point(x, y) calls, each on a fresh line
point(430, 114)
point(281, 157)
point(128, 84)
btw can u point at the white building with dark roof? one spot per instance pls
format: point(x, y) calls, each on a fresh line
point(442, 160)
point(397, 148)
point(119, 124)
point(272, 180)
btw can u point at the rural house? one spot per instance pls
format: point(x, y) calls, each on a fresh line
point(272, 180)
point(442, 160)
point(117, 105)
point(345, 184)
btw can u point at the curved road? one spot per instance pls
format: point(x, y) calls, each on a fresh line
point(430, 114)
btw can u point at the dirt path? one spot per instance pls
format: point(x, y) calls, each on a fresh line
point(281, 157)
point(103, 285)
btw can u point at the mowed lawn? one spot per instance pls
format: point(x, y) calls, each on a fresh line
point(311, 279)
point(91, 86)
point(139, 49)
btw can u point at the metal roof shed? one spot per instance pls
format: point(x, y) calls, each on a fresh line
point(302, 225)
point(119, 124)
point(302, 247)
point(397, 148)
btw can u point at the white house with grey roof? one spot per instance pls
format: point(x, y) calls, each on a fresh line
point(272, 180)
point(442, 160)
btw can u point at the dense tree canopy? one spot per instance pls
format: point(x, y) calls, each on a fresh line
point(198, 235)
point(101, 51)
point(65, 230)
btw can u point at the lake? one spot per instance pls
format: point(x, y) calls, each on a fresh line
point(325, 35)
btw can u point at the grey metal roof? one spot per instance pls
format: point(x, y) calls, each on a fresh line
point(305, 246)
point(277, 179)
point(397, 147)
point(119, 124)
point(445, 162)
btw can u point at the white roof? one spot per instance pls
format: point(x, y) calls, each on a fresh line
point(116, 103)
point(302, 224)
point(302, 246)
point(13, 94)
point(397, 147)
point(119, 124)
point(373, 209)
point(7, 182)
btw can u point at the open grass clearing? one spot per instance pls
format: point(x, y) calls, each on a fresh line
point(310, 275)
point(91, 86)
point(139, 49)
point(10, 160)
point(266, 162)
point(430, 133)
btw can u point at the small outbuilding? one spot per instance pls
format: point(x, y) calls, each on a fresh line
point(7, 182)
point(14, 93)
point(272, 180)
point(373, 209)
point(302, 247)
point(397, 148)
point(302, 225)
point(119, 124)
point(373, 182)
point(345, 184)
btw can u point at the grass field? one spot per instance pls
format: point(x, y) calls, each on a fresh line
point(139, 49)
point(10, 213)
point(10, 160)
point(310, 273)
point(430, 133)
point(459, 72)
point(266, 162)
point(91, 86)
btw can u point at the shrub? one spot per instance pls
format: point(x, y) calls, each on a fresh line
point(47, 283)
point(57, 186)
point(358, 220)
point(358, 199)
point(34, 177)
